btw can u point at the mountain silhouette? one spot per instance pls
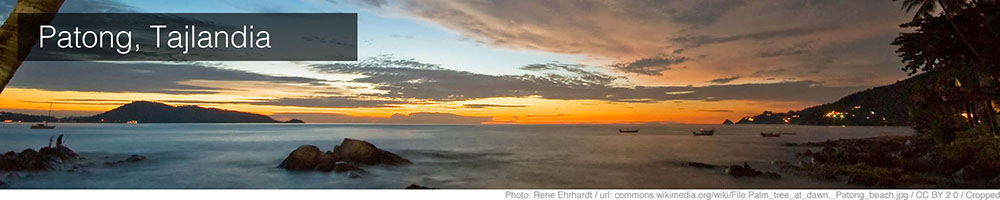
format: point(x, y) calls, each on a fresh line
point(153, 112)
point(884, 105)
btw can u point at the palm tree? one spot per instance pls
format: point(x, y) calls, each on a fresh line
point(927, 8)
point(9, 48)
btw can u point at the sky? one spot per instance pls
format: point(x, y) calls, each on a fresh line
point(509, 61)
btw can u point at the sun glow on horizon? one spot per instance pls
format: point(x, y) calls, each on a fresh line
point(528, 110)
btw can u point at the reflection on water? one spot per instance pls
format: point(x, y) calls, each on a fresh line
point(445, 156)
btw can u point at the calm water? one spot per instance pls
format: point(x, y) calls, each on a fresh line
point(445, 156)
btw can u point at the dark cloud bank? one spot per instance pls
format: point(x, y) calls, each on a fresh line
point(407, 82)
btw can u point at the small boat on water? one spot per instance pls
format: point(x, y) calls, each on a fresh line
point(43, 125)
point(771, 134)
point(628, 130)
point(703, 132)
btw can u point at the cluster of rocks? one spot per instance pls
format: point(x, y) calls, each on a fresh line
point(46, 158)
point(344, 158)
point(894, 161)
point(746, 170)
point(737, 170)
point(15, 165)
point(902, 161)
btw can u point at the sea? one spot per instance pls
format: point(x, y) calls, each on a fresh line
point(444, 156)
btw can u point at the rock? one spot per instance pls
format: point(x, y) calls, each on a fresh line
point(327, 162)
point(807, 153)
point(362, 152)
point(135, 158)
point(343, 158)
point(746, 170)
point(415, 186)
point(47, 158)
point(977, 171)
point(130, 159)
point(346, 167)
point(352, 174)
point(306, 157)
point(700, 165)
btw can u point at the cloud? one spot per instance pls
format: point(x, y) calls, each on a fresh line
point(491, 106)
point(135, 77)
point(79, 6)
point(332, 102)
point(724, 80)
point(782, 52)
point(577, 73)
point(388, 82)
point(412, 118)
point(409, 79)
point(715, 35)
point(649, 66)
point(95, 6)
point(701, 40)
point(721, 111)
point(706, 12)
point(545, 116)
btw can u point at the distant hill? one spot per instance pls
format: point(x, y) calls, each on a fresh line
point(152, 112)
point(885, 105)
point(4, 116)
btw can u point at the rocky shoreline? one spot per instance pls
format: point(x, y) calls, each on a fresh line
point(898, 162)
point(14, 165)
point(888, 162)
point(972, 161)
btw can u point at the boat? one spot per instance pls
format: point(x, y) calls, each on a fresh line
point(44, 124)
point(628, 130)
point(787, 133)
point(771, 134)
point(703, 132)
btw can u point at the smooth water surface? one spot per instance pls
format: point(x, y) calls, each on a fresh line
point(444, 156)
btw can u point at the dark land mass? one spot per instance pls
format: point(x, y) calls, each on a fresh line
point(905, 161)
point(153, 112)
point(25, 117)
point(885, 105)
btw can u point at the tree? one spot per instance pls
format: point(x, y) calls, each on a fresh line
point(935, 44)
point(968, 77)
point(926, 9)
point(9, 48)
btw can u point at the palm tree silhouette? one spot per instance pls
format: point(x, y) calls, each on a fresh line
point(9, 48)
point(927, 8)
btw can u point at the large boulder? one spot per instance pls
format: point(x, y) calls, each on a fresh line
point(327, 162)
point(362, 152)
point(343, 158)
point(306, 157)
